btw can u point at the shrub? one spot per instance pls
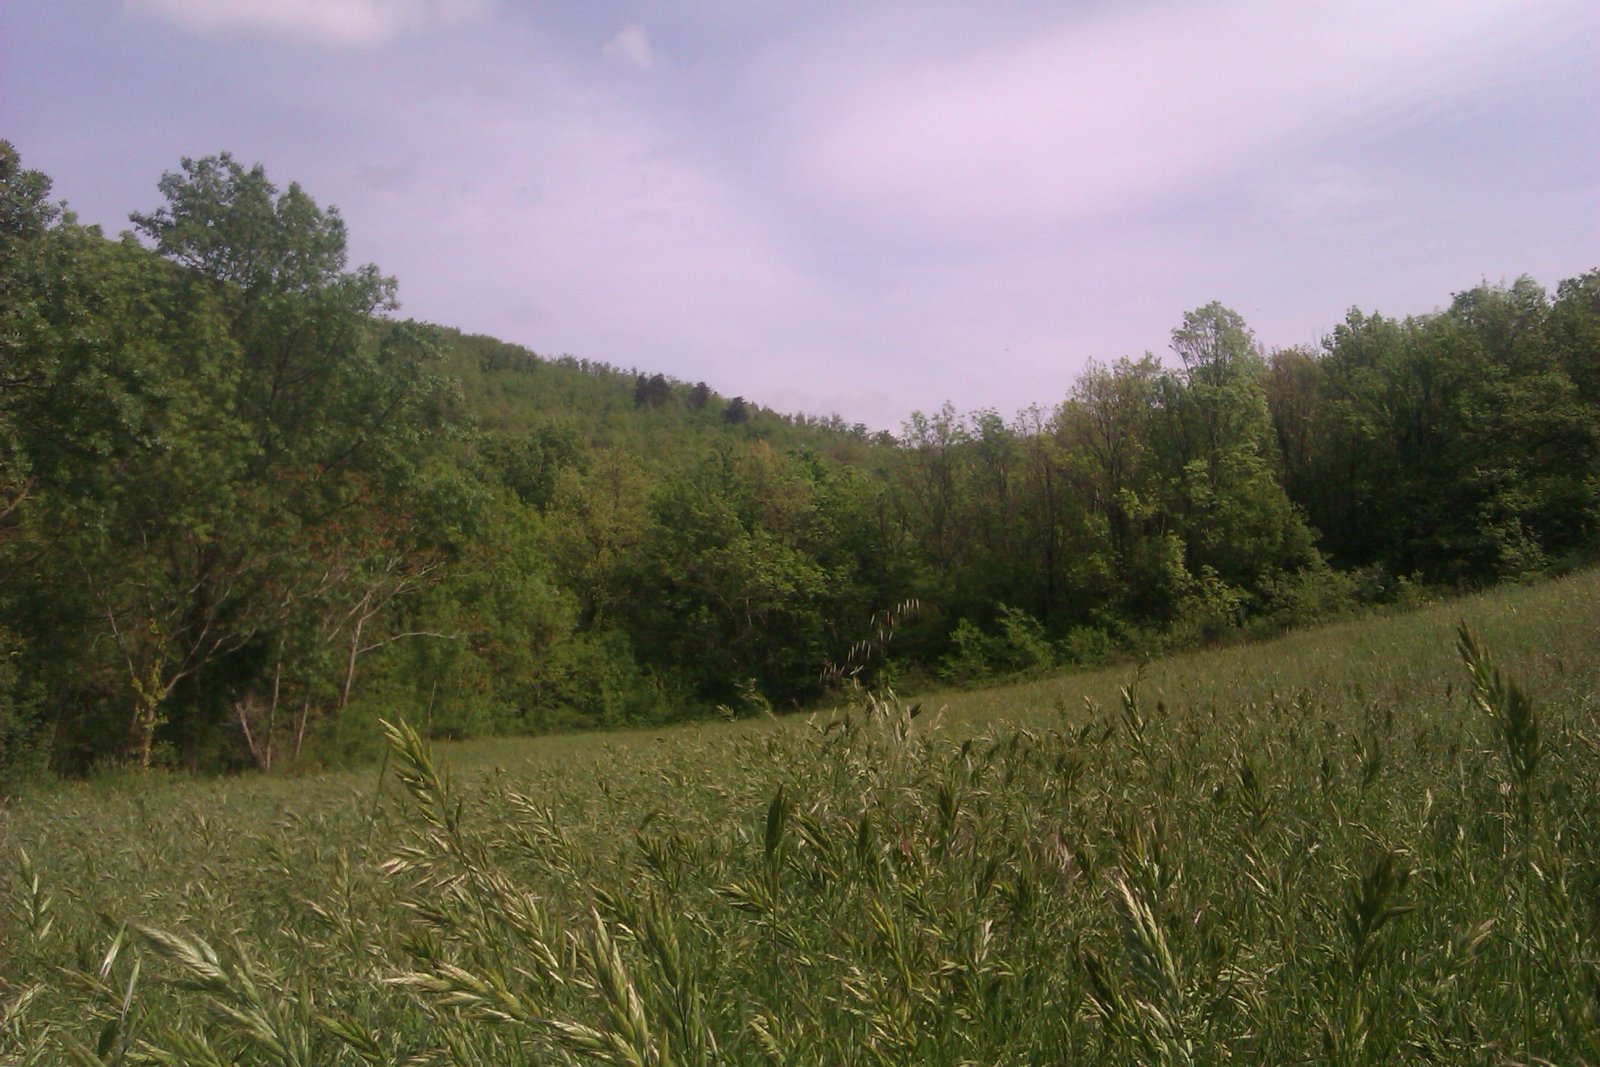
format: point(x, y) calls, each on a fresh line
point(1305, 598)
point(1085, 646)
point(968, 658)
point(1210, 610)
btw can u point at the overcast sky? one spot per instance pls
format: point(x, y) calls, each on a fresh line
point(866, 208)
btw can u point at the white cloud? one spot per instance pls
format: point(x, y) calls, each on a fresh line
point(1096, 115)
point(632, 46)
point(328, 23)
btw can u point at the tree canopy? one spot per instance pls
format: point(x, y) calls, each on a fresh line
point(244, 508)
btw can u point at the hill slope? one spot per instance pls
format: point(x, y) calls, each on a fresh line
point(244, 511)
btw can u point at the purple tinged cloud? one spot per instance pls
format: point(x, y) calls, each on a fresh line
point(316, 23)
point(1103, 114)
point(863, 209)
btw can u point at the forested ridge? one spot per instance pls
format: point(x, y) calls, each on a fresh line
point(245, 508)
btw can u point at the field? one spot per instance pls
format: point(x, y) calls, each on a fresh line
point(1369, 843)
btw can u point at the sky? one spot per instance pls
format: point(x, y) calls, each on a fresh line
point(861, 208)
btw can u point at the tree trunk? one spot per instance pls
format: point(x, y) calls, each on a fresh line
point(145, 720)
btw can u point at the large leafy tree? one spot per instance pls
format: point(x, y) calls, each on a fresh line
point(1530, 445)
point(1460, 446)
point(727, 591)
point(29, 261)
point(197, 443)
point(1223, 457)
point(117, 438)
point(1130, 563)
point(32, 264)
point(333, 399)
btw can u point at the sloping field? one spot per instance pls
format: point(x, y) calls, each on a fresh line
point(1342, 846)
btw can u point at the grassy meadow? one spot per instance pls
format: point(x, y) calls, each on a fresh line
point(1361, 844)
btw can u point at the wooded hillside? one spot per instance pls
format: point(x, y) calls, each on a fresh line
point(244, 508)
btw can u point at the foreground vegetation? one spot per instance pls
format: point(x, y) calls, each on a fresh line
point(1371, 843)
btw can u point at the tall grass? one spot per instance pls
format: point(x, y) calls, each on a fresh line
point(1366, 845)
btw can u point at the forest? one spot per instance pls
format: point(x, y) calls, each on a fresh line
point(246, 509)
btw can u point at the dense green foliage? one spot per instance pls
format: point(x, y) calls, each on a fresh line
point(244, 510)
point(1371, 843)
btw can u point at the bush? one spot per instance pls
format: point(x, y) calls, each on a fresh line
point(607, 687)
point(1305, 598)
point(1085, 646)
point(1020, 645)
point(1211, 610)
point(967, 661)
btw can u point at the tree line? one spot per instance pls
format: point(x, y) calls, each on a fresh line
point(245, 508)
